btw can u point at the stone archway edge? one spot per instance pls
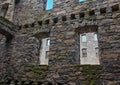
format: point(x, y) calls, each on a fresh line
point(7, 28)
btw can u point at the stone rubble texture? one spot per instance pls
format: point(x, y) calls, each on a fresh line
point(20, 42)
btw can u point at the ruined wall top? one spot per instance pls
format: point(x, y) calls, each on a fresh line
point(28, 11)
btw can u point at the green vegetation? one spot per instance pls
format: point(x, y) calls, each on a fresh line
point(61, 57)
point(37, 71)
point(91, 73)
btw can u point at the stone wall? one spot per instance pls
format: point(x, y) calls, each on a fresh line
point(64, 29)
point(2, 53)
point(26, 10)
point(9, 8)
point(6, 33)
point(10, 11)
point(67, 75)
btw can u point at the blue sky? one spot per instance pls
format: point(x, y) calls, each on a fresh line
point(82, 0)
point(49, 4)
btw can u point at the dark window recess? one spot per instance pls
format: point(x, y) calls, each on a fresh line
point(115, 8)
point(92, 12)
point(16, 81)
point(40, 83)
point(31, 82)
point(55, 20)
point(47, 21)
point(64, 18)
point(82, 15)
point(72, 16)
point(9, 38)
point(22, 82)
point(19, 27)
point(40, 23)
point(8, 82)
point(49, 83)
point(84, 52)
point(17, 1)
point(59, 84)
point(26, 25)
point(32, 25)
point(102, 10)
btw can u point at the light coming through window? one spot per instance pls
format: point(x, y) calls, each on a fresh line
point(49, 5)
point(84, 38)
point(95, 37)
point(82, 0)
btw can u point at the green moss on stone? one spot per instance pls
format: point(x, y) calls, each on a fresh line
point(91, 73)
point(76, 66)
point(37, 71)
point(61, 57)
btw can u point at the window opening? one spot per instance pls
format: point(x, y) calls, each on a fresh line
point(82, 0)
point(92, 12)
point(55, 20)
point(115, 8)
point(95, 37)
point(48, 42)
point(64, 18)
point(44, 51)
point(33, 24)
point(89, 48)
point(40, 23)
point(84, 52)
point(49, 5)
point(82, 15)
point(73, 16)
point(47, 21)
point(102, 10)
point(84, 38)
point(97, 51)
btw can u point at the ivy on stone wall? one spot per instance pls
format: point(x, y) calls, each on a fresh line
point(91, 74)
point(37, 71)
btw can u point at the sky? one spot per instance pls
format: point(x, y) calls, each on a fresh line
point(49, 4)
point(82, 0)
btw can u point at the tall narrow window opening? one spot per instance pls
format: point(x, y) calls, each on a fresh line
point(84, 38)
point(82, 0)
point(48, 42)
point(95, 37)
point(44, 51)
point(84, 52)
point(49, 5)
point(97, 52)
point(47, 54)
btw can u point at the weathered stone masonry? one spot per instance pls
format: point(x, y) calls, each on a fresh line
point(63, 25)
